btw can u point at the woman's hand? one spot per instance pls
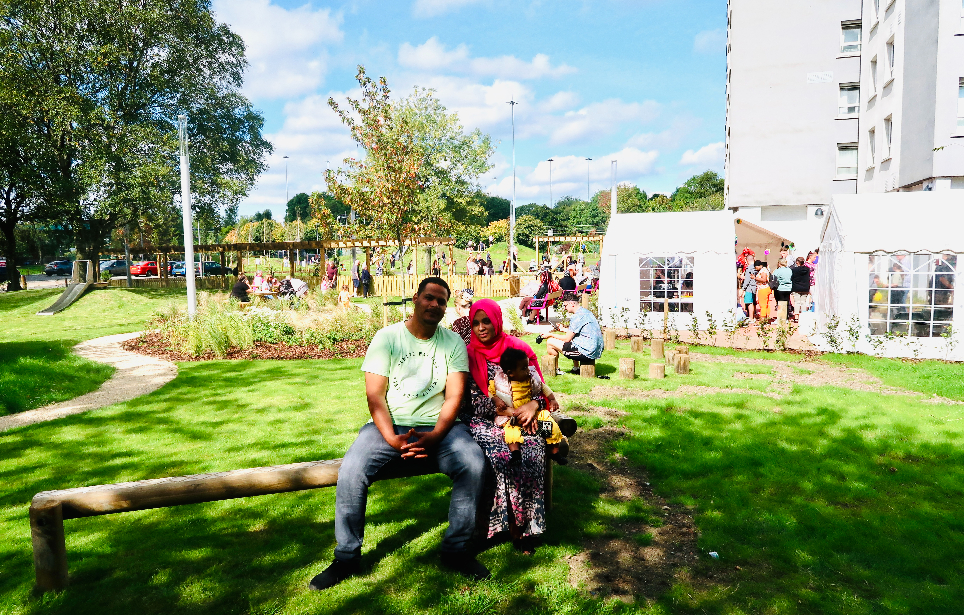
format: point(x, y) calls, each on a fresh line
point(500, 406)
point(525, 416)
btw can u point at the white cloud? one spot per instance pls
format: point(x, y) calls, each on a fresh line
point(710, 41)
point(431, 8)
point(286, 49)
point(601, 118)
point(709, 156)
point(434, 56)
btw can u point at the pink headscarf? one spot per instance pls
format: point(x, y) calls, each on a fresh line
point(480, 353)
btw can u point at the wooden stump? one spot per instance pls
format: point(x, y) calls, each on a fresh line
point(670, 354)
point(682, 364)
point(585, 300)
point(550, 363)
point(609, 339)
point(657, 370)
point(656, 348)
point(682, 350)
point(637, 344)
point(627, 369)
point(587, 371)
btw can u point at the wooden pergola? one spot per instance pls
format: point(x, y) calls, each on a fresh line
point(548, 239)
point(293, 246)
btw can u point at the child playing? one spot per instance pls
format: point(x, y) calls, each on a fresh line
point(344, 297)
point(518, 386)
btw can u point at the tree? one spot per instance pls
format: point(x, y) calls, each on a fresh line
point(496, 208)
point(420, 170)
point(99, 85)
point(698, 187)
point(497, 230)
point(527, 229)
point(262, 215)
point(298, 208)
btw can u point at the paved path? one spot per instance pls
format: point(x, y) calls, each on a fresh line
point(136, 375)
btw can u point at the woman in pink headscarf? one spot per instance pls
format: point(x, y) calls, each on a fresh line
point(518, 506)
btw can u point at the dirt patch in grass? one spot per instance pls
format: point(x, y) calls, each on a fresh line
point(642, 555)
point(153, 344)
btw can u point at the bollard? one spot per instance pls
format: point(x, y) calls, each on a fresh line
point(656, 348)
point(550, 365)
point(657, 370)
point(587, 371)
point(609, 339)
point(682, 364)
point(637, 344)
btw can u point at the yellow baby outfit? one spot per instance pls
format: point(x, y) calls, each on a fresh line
point(516, 394)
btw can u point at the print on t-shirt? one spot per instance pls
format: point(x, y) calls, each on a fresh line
point(414, 376)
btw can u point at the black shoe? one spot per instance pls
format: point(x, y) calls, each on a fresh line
point(567, 425)
point(561, 456)
point(465, 563)
point(575, 371)
point(338, 571)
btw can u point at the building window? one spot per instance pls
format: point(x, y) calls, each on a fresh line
point(846, 160)
point(872, 146)
point(850, 38)
point(912, 294)
point(873, 75)
point(666, 277)
point(960, 106)
point(888, 136)
point(849, 100)
point(891, 59)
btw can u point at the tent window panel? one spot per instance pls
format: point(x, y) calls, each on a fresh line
point(911, 294)
point(666, 277)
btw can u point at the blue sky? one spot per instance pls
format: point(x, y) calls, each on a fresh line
point(637, 81)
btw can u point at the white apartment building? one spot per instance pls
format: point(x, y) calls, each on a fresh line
point(840, 97)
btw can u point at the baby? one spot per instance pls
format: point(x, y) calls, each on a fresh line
point(519, 385)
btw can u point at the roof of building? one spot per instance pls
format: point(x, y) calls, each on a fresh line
point(668, 233)
point(896, 222)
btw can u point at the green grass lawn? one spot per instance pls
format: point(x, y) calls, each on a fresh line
point(827, 501)
point(36, 365)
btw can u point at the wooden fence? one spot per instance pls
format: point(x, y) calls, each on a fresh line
point(394, 286)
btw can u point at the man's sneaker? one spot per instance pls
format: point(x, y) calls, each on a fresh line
point(465, 563)
point(338, 571)
point(559, 372)
point(575, 371)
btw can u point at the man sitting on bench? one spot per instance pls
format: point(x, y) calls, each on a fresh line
point(415, 374)
point(582, 341)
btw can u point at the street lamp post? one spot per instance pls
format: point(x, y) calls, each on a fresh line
point(588, 160)
point(286, 180)
point(512, 104)
point(186, 217)
point(550, 182)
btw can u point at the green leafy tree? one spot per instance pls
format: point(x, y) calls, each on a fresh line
point(496, 208)
point(262, 215)
point(527, 228)
point(298, 208)
point(420, 170)
point(699, 186)
point(99, 85)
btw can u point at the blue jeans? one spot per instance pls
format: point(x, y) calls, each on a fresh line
point(370, 458)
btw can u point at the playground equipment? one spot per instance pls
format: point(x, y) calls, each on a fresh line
point(80, 280)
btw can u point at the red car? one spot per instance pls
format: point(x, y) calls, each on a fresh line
point(144, 268)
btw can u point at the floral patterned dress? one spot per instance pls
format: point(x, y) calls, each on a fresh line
point(519, 503)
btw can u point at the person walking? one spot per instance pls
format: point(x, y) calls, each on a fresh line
point(415, 376)
point(365, 280)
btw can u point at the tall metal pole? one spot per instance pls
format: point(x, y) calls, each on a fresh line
point(512, 104)
point(550, 183)
point(187, 217)
point(612, 191)
point(286, 181)
point(587, 179)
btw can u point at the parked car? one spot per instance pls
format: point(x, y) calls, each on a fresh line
point(214, 268)
point(115, 267)
point(144, 268)
point(59, 268)
point(176, 268)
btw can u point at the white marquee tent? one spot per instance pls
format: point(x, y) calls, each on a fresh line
point(688, 258)
point(888, 273)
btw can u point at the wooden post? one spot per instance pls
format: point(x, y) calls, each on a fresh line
point(627, 369)
point(415, 260)
point(49, 546)
point(240, 262)
point(669, 356)
point(609, 339)
point(384, 307)
point(538, 262)
point(656, 348)
point(451, 259)
point(587, 371)
point(657, 370)
point(666, 312)
point(682, 350)
point(291, 262)
point(781, 313)
point(682, 363)
point(550, 364)
point(224, 259)
point(637, 344)
point(585, 300)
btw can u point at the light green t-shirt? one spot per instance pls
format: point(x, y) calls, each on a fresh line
point(416, 371)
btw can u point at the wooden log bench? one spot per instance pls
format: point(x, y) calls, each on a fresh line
point(49, 509)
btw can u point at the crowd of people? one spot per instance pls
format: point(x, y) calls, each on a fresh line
point(782, 294)
point(468, 402)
